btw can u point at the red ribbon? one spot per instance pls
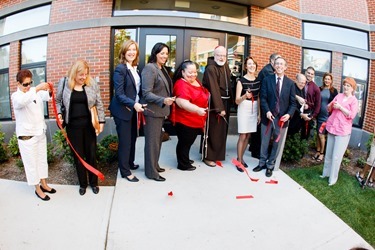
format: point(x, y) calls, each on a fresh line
point(141, 119)
point(239, 164)
point(244, 197)
point(219, 164)
point(84, 163)
point(272, 182)
point(281, 124)
point(170, 193)
point(322, 127)
point(174, 114)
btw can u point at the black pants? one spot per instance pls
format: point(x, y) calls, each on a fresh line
point(255, 142)
point(84, 142)
point(127, 136)
point(186, 137)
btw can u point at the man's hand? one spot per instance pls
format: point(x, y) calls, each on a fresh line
point(270, 116)
point(305, 117)
point(285, 118)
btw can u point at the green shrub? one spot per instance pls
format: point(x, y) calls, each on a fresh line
point(345, 162)
point(62, 148)
point(107, 149)
point(13, 146)
point(361, 162)
point(369, 143)
point(3, 150)
point(50, 153)
point(295, 148)
point(19, 163)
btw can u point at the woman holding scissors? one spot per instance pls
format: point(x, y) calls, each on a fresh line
point(248, 114)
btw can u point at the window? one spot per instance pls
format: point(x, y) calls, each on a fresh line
point(334, 34)
point(319, 60)
point(358, 69)
point(25, 20)
point(33, 57)
point(214, 10)
point(5, 112)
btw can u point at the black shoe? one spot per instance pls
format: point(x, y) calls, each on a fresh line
point(46, 198)
point(245, 165)
point(160, 178)
point(239, 169)
point(191, 161)
point(160, 170)
point(52, 191)
point(191, 168)
point(259, 168)
point(134, 167)
point(82, 191)
point(95, 190)
point(269, 172)
point(134, 179)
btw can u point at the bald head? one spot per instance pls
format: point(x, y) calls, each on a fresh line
point(220, 55)
point(300, 80)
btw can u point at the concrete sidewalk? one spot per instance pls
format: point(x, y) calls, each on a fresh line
point(203, 212)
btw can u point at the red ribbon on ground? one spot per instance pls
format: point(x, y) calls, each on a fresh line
point(170, 193)
point(219, 164)
point(322, 127)
point(84, 163)
point(239, 164)
point(272, 182)
point(244, 197)
point(281, 124)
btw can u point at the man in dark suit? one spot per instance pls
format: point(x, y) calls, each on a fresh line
point(255, 138)
point(277, 100)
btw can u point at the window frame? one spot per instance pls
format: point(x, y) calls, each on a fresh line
point(317, 72)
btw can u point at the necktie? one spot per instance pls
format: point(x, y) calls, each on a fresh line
point(277, 109)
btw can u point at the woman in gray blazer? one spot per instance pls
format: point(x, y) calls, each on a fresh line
point(79, 93)
point(156, 91)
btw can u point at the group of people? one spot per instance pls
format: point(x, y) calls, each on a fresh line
point(268, 103)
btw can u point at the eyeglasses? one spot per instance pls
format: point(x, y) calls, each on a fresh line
point(27, 84)
point(221, 56)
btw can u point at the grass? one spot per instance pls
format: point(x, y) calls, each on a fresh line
point(355, 206)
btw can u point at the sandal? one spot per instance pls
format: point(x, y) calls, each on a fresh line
point(209, 163)
point(320, 158)
point(370, 183)
point(315, 157)
point(358, 177)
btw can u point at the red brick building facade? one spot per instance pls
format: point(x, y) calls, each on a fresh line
point(84, 30)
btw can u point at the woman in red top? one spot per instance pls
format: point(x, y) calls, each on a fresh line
point(189, 115)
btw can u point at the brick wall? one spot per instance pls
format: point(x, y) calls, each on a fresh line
point(92, 45)
point(9, 3)
point(371, 11)
point(351, 10)
point(14, 66)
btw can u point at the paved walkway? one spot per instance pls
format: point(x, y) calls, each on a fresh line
point(203, 212)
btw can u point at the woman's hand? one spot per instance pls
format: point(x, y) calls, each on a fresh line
point(169, 100)
point(59, 116)
point(201, 111)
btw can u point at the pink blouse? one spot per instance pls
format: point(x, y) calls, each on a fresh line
point(338, 123)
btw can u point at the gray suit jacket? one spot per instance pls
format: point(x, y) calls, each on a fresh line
point(155, 87)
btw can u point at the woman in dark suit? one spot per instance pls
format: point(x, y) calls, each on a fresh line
point(156, 91)
point(125, 105)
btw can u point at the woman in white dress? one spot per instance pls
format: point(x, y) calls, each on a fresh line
point(248, 114)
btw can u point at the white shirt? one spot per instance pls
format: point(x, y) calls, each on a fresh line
point(281, 81)
point(136, 77)
point(29, 111)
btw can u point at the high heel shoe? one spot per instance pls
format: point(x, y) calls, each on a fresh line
point(52, 191)
point(46, 198)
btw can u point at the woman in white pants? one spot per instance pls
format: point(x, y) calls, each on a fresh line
point(344, 109)
point(31, 131)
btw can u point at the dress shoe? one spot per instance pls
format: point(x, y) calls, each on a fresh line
point(245, 165)
point(239, 169)
point(259, 168)
point(134, 167)
point(269, 172)
point(52, 191)
point(95, 190)
point(191, 168)
point(191, 161)
point(159, 178)
point(209, 163)
point(134, 179)
point(45, 198)
point(82, 191)
point(160, 170)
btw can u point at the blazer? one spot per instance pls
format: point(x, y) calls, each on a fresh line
point(287, 100)
point(122, 104)
point(155, 87)
point(93, 98)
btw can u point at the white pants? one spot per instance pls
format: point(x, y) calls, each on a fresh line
point(34, 158)
point(336, 146)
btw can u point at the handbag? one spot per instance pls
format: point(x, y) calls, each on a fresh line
point(95, 119)
point(63, 108)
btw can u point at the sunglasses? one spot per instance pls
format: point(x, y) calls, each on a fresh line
point(27, 84)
